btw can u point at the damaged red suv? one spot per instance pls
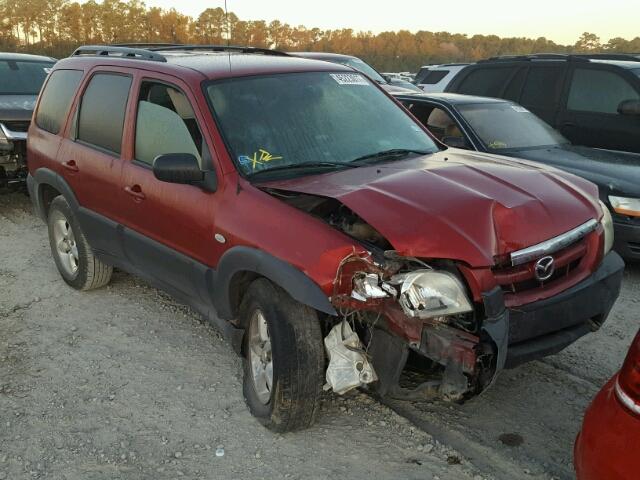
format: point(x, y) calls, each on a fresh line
point(314, 221)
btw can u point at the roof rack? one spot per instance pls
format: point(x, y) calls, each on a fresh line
point(580, 57)
point(151, 51)
point(215, 48)
point(118, 51)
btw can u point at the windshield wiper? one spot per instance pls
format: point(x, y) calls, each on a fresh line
point(303, 166)
point(391, 154)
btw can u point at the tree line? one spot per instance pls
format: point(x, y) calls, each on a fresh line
point(57, 27)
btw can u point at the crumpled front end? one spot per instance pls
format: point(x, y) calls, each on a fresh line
point(447, 255)
point(13, 154)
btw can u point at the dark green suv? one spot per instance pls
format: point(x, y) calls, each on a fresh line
point(593, 100)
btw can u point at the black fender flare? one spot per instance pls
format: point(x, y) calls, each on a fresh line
point(46, 176)
point(251, 260)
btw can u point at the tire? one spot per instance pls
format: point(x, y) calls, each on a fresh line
point(296, 352)
point(76, 262)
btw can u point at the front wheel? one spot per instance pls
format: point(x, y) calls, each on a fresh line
point(284, 358)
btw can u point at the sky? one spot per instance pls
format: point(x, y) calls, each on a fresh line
point(562, 21)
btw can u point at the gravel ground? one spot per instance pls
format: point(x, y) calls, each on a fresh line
point(123, 382)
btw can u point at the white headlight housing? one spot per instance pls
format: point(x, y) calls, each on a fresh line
point(607, 225)
point(625, 206)
point(432, 293)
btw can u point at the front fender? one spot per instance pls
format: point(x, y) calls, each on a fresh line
point(250, 260)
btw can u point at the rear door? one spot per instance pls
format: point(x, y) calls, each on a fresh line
point(591, 117)
point(90, 156)
point(168, 228)
point(542, 89)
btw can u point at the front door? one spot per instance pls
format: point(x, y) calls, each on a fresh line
point(168, 228)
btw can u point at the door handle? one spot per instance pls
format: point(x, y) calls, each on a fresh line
point(71, 165)
point(135, 192)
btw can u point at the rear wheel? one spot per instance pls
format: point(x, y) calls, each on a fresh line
point(284, 358)
point(73, 256)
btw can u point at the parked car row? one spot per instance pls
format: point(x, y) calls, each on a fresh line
point(413, 244)
point(21, 77)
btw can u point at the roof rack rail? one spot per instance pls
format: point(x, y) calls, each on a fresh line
point(118, 51)
point(215, 48)
point(580, 57)
point(628, 57)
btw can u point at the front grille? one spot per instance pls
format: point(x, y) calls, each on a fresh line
point(520, 278)
point(16, 126)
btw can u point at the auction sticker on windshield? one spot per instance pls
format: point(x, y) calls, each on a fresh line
point(349, 78)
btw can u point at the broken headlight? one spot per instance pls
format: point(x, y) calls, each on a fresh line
point(432, 293)
point(368, 285)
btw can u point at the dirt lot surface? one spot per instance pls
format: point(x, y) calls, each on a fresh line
point(123, 382)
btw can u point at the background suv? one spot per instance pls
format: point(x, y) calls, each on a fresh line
point(592, 100)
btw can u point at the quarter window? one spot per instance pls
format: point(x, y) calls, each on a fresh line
point(165, 123)
point(56, 98)
point(102, 111)
point(434, 76)
point(487, 82)
point(599, 91)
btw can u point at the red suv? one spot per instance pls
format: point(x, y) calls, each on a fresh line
point(293, 203)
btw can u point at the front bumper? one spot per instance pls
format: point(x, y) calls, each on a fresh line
point(545, 327)
point(627, 240)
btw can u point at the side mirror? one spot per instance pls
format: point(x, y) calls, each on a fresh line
point(629, 107)
point(456, 142)
point(177, 168)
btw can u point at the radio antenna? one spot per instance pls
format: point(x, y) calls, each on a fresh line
point(226, 17)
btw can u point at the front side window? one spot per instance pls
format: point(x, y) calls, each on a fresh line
point(102, 111)
point(23, 78)
point(56, 98)
point(165, 124)
point(503, 126)
point(303, 118)
point(599, 91)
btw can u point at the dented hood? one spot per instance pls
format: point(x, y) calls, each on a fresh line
point(458, 205)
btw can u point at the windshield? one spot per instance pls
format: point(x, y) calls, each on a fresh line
point(310, 118)
point(363, 67)
point(22, 78)
point(503, 126)
point(636, 71)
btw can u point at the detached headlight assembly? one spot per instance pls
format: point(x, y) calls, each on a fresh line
point(629, 207)
point(432, 293)
point(607, 225)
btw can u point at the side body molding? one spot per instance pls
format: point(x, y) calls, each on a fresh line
point(245, 259)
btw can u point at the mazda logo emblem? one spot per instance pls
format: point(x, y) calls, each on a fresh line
point(544, 268)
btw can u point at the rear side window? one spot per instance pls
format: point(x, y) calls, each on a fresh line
point(514, 89)
point(102, 111)
point(56, 98)
point(599, 91)
point(543, 86)
point(434, 76)
point(487, 82)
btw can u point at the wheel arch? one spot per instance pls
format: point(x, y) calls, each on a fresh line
point(240, 265)
point(44, 185)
